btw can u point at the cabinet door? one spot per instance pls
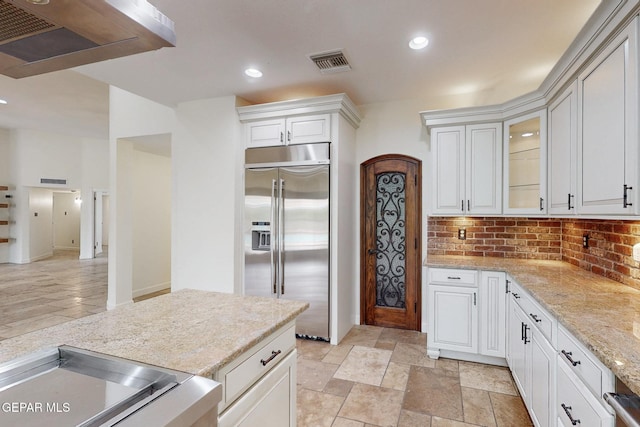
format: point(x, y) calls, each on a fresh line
point(516, 354)
point(265, 133)
point(309, 129)
point(493, 312)
point(562, 147)
point(541, 373)
point(447, 147)
point(453, 318)
point(525, 172)
point(575, 405)
point(271, 402)
point(607, 129)
point(484, 169)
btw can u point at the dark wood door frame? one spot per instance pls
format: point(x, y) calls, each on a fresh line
point(413, 254)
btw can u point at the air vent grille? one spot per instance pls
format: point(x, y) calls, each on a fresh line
point(331, 62)
point(18, 23)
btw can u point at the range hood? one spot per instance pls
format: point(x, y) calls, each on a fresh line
point(40, 36)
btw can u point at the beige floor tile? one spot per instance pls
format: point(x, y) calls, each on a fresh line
point(412, 354)
point(448, 365)
point(343, 422)
point(316, 409)
point(374, 405)
point(434, 392)
point(365, 365)
point(509, 410)
point(338, 387)
point(315, 350)
point(313, 374)
point(386, 345)
point(485, 377)
point(362, 335)
point(396, 376)
point(404, 336)
point(337, 354)
point(476, 406)
point(442, 422)
point(414, 419)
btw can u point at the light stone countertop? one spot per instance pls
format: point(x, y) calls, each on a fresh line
point(192, 331)
point(601, 313)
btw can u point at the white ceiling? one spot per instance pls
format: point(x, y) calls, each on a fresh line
point(480, 52)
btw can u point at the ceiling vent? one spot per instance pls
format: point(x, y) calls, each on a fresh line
point(40, 38)
point(331, 62)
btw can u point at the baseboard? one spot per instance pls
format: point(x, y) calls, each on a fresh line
point(151, 289)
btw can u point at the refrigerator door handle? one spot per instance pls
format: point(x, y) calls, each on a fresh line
point(274, 242)
point(281, 235)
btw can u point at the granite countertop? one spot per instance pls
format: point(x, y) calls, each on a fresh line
point(197, 332)
point(603, 314)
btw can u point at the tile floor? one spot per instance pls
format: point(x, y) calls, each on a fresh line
point(375, 377)
point(382, 377)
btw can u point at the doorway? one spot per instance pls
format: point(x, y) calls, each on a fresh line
point(390, 228)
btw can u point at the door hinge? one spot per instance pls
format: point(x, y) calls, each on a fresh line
point(415, 180)
point(507, 286)
point(415, 307)
point(415, 243)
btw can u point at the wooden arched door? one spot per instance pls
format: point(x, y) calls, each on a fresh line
point(390, 228)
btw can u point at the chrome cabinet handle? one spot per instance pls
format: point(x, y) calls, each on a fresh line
point(281, 237)
point(288, 136)
point(568, 355)
point(567, 410)
point(625, 199)
point(516, 296)
point(534, 317)
point(274, 354)
point(453, 278)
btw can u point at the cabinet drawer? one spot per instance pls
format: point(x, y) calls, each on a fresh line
point(537, 315)
point(597, 377)
point(453, 276)
point(254, 364)
point(573, 404)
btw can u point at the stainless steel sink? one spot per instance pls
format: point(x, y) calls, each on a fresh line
point(67, 386)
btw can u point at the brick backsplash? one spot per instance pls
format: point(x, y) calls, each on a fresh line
point(609, 253)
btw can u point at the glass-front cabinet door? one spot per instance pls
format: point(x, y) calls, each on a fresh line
point(525, 146)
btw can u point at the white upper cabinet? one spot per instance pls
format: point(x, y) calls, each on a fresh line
point(525, 173)
point(289, 130)
point(467, 169)
point(562, 152)
point(608, 129)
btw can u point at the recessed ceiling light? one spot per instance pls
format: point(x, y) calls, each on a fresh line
point(253, 72)
point(2, 101)
point(418, 42)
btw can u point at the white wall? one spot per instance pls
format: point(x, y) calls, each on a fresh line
point(34, 155)
point(129, 116)
point(66, 220)
point(392, 128)
point(151, 186)
point(40, 224)
point(207, 157)
point(95, 177)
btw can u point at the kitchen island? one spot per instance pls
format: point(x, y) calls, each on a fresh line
point(214, 335)
point(602, 314)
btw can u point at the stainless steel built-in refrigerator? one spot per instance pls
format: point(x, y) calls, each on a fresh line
point(286, 229)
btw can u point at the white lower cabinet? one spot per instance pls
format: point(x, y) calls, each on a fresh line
point(577, 406)
point(453, 319)
point(532, 363)
point(466, 314)
point(259, 386)
point(270, 403)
